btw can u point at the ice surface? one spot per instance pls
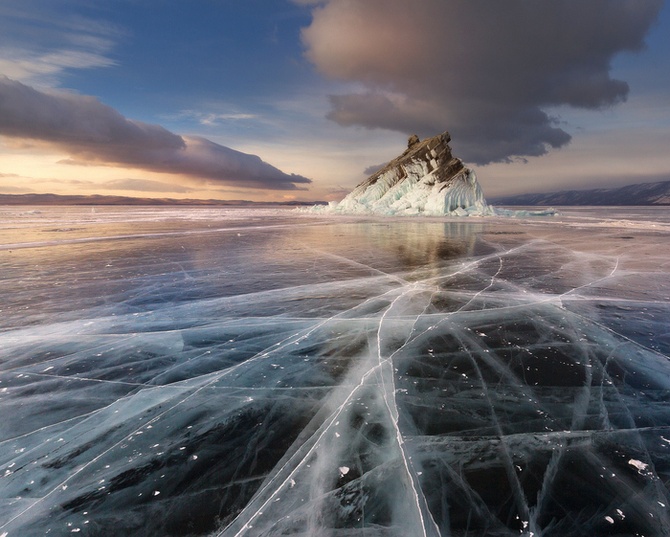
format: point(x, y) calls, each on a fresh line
point(259, 373)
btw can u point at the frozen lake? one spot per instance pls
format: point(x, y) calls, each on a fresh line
point(239, 372)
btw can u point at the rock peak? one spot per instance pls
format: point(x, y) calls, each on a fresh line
point(425, 179)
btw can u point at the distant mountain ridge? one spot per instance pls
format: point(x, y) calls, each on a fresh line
point(56, 199)
point(638, 194)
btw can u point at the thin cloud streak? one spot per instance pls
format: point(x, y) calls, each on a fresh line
point(40, 42)
point(94, 133)
point(143, 185)
point(486, 71)
point(21, 65)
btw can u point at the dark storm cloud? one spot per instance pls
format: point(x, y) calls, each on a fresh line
point(483, 70)
point(91, 132)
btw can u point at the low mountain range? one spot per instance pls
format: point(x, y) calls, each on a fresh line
point(638, 194)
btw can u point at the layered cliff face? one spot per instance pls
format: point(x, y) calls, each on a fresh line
point(425, 179)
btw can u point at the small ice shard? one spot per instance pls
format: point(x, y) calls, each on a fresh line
point(638, 464)
point(344, 470)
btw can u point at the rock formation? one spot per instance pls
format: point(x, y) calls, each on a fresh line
point(425, 179)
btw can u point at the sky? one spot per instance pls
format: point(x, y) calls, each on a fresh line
point(281, 100)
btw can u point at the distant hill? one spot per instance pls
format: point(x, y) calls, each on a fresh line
point(54, 199)
point(640, 194)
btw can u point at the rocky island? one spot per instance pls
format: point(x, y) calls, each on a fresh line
point(426, 179)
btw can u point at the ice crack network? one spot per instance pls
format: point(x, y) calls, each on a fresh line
point(265, 373)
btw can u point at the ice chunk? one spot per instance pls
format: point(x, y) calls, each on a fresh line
point(417, 195)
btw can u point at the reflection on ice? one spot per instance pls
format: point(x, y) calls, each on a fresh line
point(336, 377)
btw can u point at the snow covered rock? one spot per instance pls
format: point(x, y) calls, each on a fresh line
point(425, 179)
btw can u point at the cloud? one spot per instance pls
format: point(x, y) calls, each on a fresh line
point(8, 189)
point(486, 71)
point(41, 41)
point(27, 66)
point(216, 118)
point(374, 168)
point(16, 184)
point(93, 133)
point(13, 188)
point(143, 185)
